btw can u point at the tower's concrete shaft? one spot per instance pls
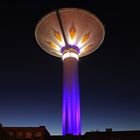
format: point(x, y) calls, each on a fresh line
point(71, 97)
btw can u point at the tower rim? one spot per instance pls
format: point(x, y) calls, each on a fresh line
point(56, 53)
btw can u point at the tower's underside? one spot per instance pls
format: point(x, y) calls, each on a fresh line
point(71, 98)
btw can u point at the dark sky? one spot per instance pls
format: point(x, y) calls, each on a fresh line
point(31, 79)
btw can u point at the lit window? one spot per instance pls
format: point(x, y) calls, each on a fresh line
point(11, 133)
point(70, 54)
point(28, 134)
point(38, 134)
point(19, 134)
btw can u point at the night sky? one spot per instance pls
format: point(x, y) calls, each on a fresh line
point(31, 79)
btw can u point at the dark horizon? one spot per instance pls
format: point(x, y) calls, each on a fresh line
point(41, 133)
point(31, 80)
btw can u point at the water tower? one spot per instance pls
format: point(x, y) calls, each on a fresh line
point(70, 33)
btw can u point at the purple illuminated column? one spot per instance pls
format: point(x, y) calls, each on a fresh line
point(71, 98)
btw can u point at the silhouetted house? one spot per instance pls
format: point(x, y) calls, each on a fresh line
point(106, 135)
point(27, 133)
point(41, 133)
point(112, 135)
point(4, 135)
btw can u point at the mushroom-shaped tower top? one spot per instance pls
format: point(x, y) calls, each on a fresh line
point(82, 29)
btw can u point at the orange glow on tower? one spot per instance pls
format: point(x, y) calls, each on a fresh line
point(57, 35)
point(86, 48)
point(53, 45)
point(72, 32)
point(85, 37)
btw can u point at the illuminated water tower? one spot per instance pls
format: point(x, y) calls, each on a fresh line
point(70, 33)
